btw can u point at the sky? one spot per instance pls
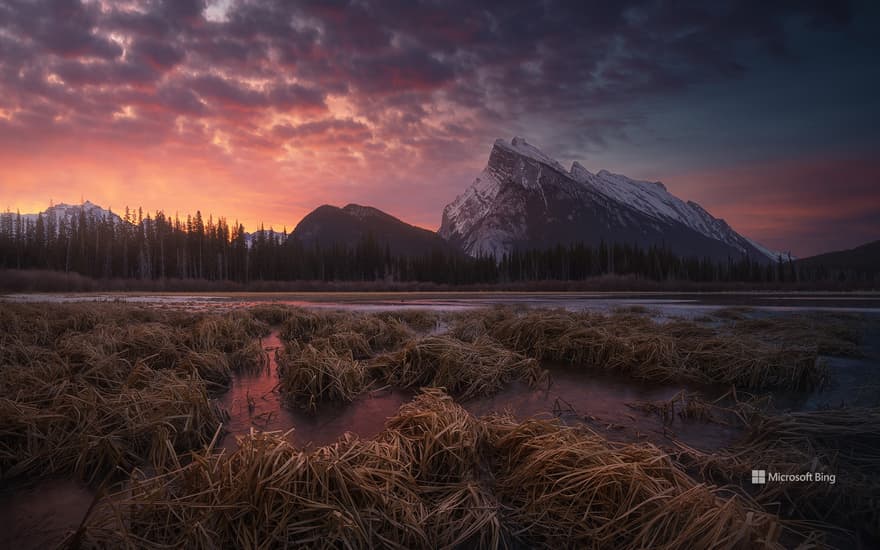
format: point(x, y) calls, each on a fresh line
point(765, 113)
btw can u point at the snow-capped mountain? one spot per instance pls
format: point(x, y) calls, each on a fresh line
point(250, 238)
point(524, 198)
point(62, 212)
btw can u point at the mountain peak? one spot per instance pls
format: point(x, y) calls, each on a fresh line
point(578, 171)
point(516, 202)
point(519, 146)
point(352, 223)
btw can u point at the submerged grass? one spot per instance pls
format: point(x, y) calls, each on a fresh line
point(436, 477)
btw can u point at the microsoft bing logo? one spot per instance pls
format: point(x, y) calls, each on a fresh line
point(759, 477)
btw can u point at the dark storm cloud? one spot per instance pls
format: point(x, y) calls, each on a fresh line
point(499, 58)
point(60, 27)
point(158, 53)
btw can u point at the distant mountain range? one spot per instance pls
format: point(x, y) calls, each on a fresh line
point(525, 199)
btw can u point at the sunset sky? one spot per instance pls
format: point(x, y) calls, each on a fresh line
point(766, 113)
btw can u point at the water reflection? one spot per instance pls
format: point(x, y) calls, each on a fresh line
point(254, 402)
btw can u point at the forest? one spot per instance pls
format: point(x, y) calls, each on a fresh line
point(159, 247)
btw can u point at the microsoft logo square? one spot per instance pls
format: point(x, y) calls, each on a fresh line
point(759, 477)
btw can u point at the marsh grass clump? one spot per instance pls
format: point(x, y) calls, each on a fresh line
point(842, 442)
point(267, 494)
point(830, 334)
point(382, 332)
point(465, 369)
point(439, 438)
point(419, 320)
point(309, 374)
point(568, 488)
point(679, 351)
point(226, 332)
point(470, 325)
point(271, 314)
point(303, 324)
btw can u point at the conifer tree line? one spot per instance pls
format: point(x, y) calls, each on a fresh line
point(161, 247)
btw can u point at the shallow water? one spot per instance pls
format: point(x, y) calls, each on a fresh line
point(602, 402)
point(39, 515)
point(576, 396)
point(254, 402)
point(663, 303)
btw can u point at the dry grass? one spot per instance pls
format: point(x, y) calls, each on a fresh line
point(680, 351)
point(271, 314)
point(419, 320)
point(844, 442)
point(382, 332)
point(829, 333)
point(576, 489)
point(54, 421)
point(308, 375)
point(465, 369)
point(437, 478)
point(470, 325)
point(87, 389)
point(353, 494)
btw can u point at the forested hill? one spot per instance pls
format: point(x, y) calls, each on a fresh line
point(153, 247)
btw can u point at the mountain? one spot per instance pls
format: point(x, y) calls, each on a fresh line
point(864, 258)
point(329, 225)
point(267, 234)
point(525, 199)
point(62, 212)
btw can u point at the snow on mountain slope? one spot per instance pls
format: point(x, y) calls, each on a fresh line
point(64, 212)
point(653, 199)
point(496, 212)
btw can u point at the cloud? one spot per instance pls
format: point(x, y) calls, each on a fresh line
point(376, 87)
